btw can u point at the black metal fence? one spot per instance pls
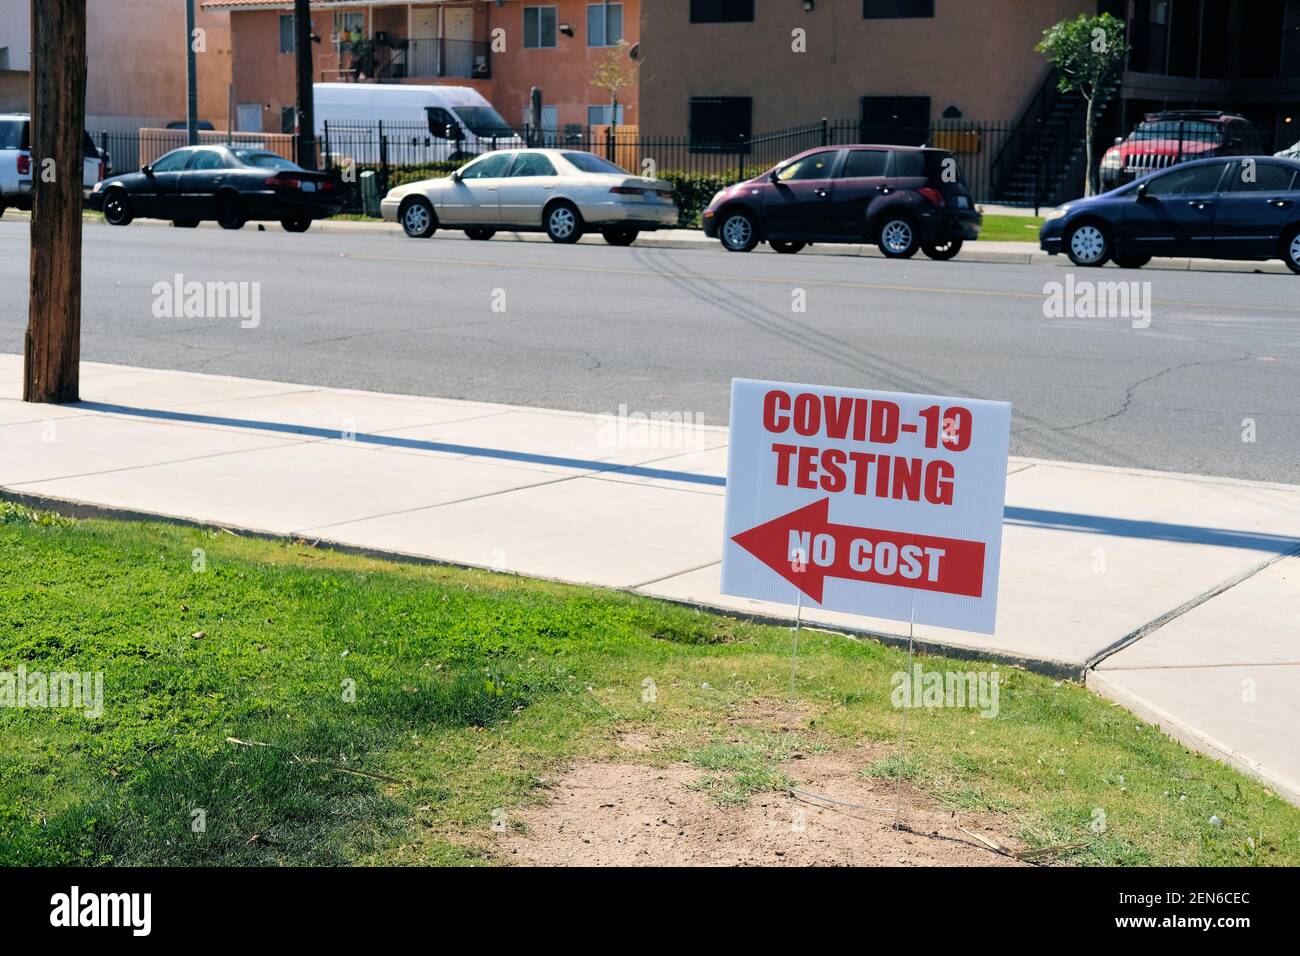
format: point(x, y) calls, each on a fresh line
point(1041, 164)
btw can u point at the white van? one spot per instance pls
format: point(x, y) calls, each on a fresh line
point(423, 124)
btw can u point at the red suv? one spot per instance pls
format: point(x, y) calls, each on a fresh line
point(1175, 136)
point(902, 198)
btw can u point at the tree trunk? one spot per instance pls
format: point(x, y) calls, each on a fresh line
point(52, 345)
point(1090, 172)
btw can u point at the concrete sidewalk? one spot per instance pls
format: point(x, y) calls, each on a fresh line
point(1004, 253)
point(1173, 594)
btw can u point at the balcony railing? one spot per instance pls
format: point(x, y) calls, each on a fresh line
point(390, 60)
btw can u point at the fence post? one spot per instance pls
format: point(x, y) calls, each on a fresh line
point(325, 145)
point(826, 131)
point(103, 146)
point(383, 159)
point(740, 160)
point(609, 141)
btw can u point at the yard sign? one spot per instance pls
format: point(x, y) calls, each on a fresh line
point(875, 503)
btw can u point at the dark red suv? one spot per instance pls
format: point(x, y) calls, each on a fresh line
point(902, 198)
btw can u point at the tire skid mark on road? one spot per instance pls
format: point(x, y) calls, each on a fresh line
point(854, 357)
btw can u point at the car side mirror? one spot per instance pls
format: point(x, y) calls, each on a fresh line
point(455, 176)
point(147, 169)
point(774, 175)
point(1119, 140)
point(1142, 192)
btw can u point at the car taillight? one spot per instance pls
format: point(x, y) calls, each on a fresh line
point(628, 191)
point(278, 181)
point(932, 194)
point(664, 193)
point(327, 186)
point(24, 164)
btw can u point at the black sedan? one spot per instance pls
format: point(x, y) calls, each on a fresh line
point(229, 185)
point(1240, 207)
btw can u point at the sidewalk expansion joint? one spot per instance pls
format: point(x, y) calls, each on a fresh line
point(1154, 625)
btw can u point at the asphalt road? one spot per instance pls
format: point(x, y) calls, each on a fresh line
point(594, 328)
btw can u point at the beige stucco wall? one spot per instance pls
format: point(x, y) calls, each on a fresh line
point(977, 56)
point(135, 53)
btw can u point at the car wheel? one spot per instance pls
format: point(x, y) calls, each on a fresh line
point(117, 208)
point(295, 224)
point(230, 212)
point(185, 223)
point(619, 235)
point(897, 237)
point(1291, 250)
point(787, 248)
point(478, 232)
point(737, 232)
point(1088, 244)
point(1131, 262)
point(418, 219)
point(563, 224)
point(942, 251)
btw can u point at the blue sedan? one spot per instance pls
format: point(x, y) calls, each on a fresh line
point(1240, 207)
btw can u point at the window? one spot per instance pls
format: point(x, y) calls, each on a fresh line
point(345, 24)
point(208, 159)
point(491, 166)
point(908, 164)
point(600, 32)
point(897, 9)
point(532, 164)
point(539, 27)
point(442, 124)
point(599, 115)
point(288, 119)
point(256, 157)
point(173, 162)
point(288, 34)
point(1261, 178)
point(14, 134)
point(722, 11)
point(720, 123)
point(813, 166)
point(1189, 180)
point(865, 162)
point(896, 120)
point(589, 163)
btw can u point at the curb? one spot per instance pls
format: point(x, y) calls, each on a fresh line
point(72, 508)
point(977, 252)
point(1189, 736)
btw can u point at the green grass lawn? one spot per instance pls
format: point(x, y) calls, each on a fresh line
point(403, 704)
point(1011, 228)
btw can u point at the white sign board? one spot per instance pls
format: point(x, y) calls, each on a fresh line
point(875, 503)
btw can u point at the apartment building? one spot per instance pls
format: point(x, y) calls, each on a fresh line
point(719, 69)
point(502, 48)
point(135, 61)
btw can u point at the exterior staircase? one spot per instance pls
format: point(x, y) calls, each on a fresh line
point(1043, 161)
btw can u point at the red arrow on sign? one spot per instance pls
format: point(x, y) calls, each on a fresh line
point(805, 548)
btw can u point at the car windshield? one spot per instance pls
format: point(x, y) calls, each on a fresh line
point(259, 157)
point(590, 163)
point(483, 120)
point(1172, 129)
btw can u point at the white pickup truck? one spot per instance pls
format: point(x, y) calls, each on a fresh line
point(17, 167)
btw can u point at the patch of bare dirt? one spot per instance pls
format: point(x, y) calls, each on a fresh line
point(628, 814)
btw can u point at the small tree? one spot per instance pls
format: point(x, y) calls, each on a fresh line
point(615, 71)
point(1090, 52)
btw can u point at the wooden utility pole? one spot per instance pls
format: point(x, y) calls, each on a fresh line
point(306, 102)
point(52, 346)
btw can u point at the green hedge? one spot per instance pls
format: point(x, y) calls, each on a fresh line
point(694, 191)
